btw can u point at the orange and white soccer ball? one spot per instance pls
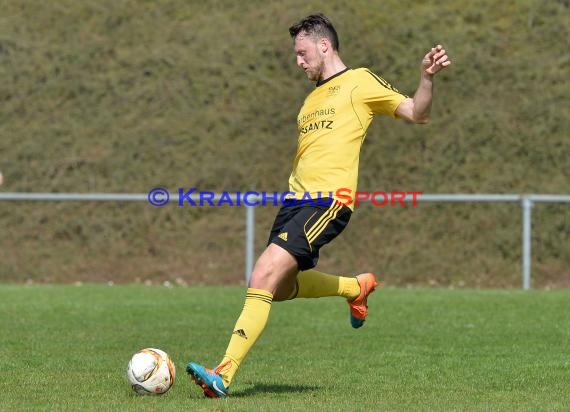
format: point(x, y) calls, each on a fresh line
point(151, 371)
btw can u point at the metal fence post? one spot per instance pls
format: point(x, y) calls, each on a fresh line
point(527, 205)
point(249, 240)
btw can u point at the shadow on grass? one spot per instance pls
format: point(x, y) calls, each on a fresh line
point(273, 388)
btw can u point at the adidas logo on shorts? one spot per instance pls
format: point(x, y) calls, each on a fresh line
point(283, 236)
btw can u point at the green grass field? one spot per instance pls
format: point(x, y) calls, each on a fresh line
point(67, 347)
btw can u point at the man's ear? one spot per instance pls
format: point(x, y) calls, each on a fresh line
point(324, 44)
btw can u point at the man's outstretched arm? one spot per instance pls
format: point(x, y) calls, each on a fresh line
point(418, 108)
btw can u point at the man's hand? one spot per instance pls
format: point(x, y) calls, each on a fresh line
point(435, 60)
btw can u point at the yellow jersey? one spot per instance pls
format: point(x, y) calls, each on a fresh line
point(332, 126)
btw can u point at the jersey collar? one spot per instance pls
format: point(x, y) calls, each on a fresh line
point(321, 82)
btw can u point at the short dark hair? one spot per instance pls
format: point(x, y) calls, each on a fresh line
point(316, 26)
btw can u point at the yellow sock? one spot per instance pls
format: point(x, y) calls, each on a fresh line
point(248, 328)
point(314, 284)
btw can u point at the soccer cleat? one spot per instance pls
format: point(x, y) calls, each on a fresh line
point(358, 306)
point(209, 380)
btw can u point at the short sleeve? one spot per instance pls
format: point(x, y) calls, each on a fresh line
point(379, 95)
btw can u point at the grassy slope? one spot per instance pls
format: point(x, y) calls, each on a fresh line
point(124, 96)
point(66, 348)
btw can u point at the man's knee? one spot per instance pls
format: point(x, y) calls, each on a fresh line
point(286, 290)
point(274, 266)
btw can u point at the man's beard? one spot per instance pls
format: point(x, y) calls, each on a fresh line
point(316, 73)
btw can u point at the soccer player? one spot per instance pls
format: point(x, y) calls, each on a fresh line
point(332, 125)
